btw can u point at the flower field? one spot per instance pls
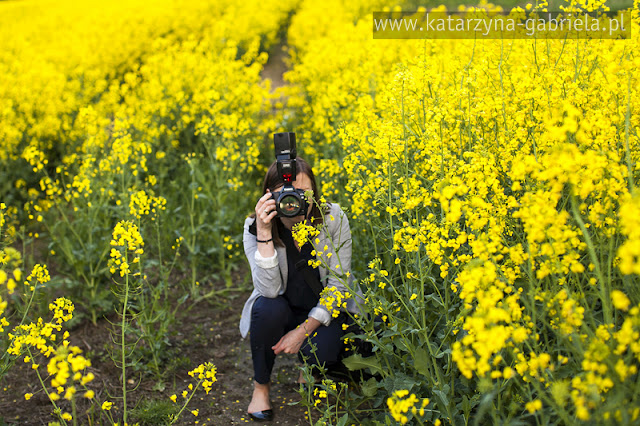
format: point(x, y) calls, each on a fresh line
point(490, 185)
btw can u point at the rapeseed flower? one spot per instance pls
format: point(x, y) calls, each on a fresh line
point(334, 300)
point(127, 247)
point(620, 300)
point(399, 406)
point(533, 406)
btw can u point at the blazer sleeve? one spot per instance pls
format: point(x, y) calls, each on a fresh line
point(339, 262)
point(265, 272)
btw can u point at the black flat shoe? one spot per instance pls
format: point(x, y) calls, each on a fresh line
point(262, 416)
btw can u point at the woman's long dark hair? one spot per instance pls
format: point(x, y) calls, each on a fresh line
point(272, 180)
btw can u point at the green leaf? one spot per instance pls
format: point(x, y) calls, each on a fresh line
point(421, 362)
point(370, 387)
point(436, 301)
point(466, 406)
point(399, 381)
point(442, 397)
point(443, 353)
point(343, 420)
point(357, 362)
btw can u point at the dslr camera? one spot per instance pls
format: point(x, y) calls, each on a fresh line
point(290, 202)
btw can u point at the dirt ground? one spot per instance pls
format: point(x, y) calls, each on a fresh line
point(204, 332)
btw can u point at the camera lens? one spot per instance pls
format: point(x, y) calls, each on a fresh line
point(289, 205)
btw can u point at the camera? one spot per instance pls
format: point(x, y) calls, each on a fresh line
point(290, 202)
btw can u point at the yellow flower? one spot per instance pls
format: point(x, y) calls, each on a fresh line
point(303, 233)
point(39, 275)
point(533, 406)
point(507, 373)
point(399, 406)
point(107, 405)
point(28, 396)
point(71, 391)
point(173, 397)
point(126, 239)
point(87, 378)
point(620, 300)
point(194, 412)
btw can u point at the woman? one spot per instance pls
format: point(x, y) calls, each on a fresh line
point(283, 314)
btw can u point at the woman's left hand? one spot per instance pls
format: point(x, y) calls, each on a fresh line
point(291, 342)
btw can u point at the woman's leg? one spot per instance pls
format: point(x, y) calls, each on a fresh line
point(270, 320)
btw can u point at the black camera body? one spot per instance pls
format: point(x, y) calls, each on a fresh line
point(290, 201)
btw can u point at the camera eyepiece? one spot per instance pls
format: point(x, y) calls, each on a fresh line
point(290, 202)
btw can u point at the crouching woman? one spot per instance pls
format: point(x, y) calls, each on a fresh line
point(283, 314)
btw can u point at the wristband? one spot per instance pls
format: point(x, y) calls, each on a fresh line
point(264, 241)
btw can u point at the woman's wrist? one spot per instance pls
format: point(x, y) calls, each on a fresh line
point(304, 328)
point(309, 326)
point(265, 239)
point(265, 242)
point(263, 234)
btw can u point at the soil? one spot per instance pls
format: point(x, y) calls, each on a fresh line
point(204, 331)
point(276, 66)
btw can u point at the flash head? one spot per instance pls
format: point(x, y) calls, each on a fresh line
point(285, 145)
point(285, 150)
point(290, 202)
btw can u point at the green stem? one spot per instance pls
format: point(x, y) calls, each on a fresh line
point(192, 241)
point(44, 387)
point(177, 416)
point(163, 275)
point(26, 310)
point(122, 343)
point(627, 123)
point(79, 239)
point(603, 285)
point(74, 412)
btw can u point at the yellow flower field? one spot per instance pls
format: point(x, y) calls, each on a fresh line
point(491, 187)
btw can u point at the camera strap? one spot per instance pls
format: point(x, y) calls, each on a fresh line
point(308, 273)
point(310, 277)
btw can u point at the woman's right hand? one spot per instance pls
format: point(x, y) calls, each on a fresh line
point(265, 212)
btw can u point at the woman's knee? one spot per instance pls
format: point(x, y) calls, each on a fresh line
point(323, 348)
point(268, 310)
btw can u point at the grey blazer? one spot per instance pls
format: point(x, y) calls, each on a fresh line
point(270, 274)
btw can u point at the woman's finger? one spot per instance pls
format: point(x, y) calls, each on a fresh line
point(276, 348)
point(265, 199)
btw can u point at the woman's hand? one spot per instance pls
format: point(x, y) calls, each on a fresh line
point(265, 212)
point(291, 342)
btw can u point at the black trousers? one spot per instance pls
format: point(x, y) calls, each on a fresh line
point(273, 318)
